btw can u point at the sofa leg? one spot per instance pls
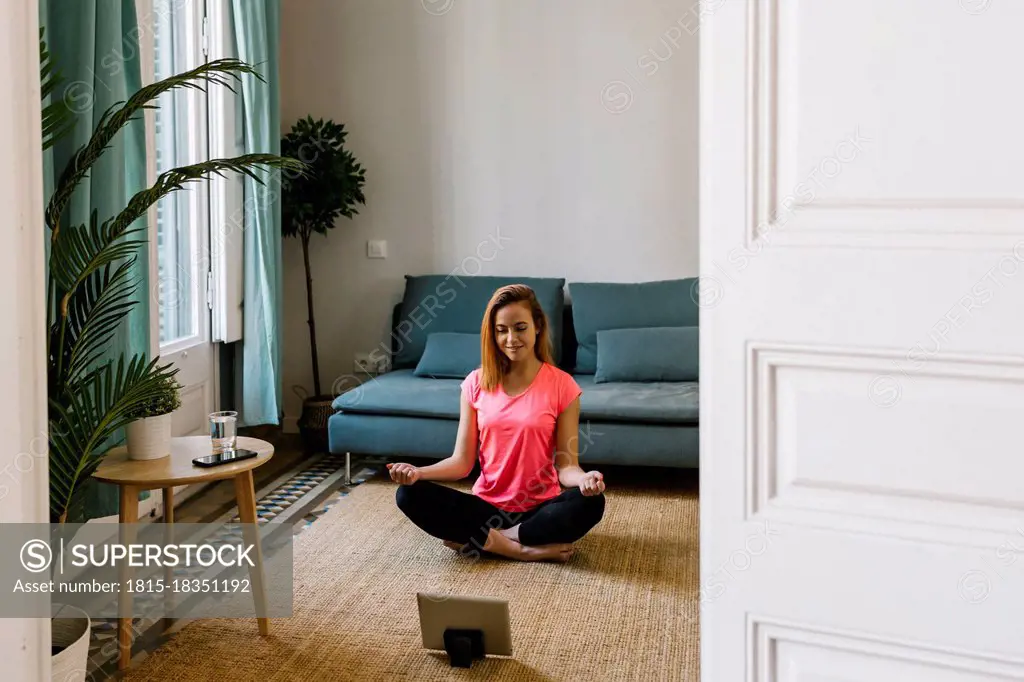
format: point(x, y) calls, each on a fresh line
point(348, 468)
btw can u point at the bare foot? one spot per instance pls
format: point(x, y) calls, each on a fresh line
point(558, 552)
point(499, 543)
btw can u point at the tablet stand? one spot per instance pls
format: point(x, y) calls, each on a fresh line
point(463, 646)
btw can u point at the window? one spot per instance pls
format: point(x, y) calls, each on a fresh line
point(182, 218)
point(197, 259)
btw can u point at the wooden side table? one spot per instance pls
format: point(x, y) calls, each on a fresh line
point(165, 473)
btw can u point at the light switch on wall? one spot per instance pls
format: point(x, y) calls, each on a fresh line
point(376, 248)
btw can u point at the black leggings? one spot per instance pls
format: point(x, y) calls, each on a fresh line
point(450, 514)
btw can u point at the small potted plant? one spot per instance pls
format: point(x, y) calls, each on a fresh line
point(149, 434)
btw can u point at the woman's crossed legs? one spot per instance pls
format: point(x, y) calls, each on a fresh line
point(470, 524)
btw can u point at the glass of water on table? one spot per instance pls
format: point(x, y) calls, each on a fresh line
point(223, 430)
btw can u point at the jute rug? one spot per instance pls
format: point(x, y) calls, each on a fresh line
point(625, 607)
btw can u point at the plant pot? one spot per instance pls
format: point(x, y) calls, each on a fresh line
point(316, 410)
point(150, 437)
point(69, 640)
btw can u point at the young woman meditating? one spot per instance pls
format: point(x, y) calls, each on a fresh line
point(521, 414)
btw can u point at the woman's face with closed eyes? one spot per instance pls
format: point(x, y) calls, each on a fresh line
point(514, 331)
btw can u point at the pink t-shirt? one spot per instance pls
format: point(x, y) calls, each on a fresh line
point(517, 438)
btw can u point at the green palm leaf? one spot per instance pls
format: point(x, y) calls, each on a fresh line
point(177, 178)
point(57, 118)
point(217, 72)
point(93, 411)
point(94, 314)
point(79, 251)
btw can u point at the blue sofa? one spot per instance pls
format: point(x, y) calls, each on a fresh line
point(647, 422)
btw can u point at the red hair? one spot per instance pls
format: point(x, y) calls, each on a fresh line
point(495, 364)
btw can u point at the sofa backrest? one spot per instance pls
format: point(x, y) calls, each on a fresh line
point(446, 303)
point(602, 305)
point(568, 357)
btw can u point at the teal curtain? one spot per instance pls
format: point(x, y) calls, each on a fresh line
point(95, 45)
point(256, 25)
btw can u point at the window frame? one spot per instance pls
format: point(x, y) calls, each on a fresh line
point(217, 203)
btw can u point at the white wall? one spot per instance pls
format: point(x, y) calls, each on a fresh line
point(568, 130)
point(24, 643)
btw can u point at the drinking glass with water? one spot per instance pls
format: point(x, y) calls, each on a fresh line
point(223, 430)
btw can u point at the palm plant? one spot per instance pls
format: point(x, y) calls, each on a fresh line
point(90, 288)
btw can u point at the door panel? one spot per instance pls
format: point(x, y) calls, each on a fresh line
point(192, 418)
point(814, 65)
point(876, 467)
point(861, 341)
point(785, 653)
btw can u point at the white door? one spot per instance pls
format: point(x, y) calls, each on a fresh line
point(862, 348)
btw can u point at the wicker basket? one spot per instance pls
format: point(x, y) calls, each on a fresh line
point(316, 410)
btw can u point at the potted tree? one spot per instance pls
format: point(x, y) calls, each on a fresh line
point(149, 434)
point(311, 202)
point(91, 397)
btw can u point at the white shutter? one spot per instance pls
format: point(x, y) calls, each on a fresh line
point(227, 216)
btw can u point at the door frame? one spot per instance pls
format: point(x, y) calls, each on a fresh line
point(24, 642)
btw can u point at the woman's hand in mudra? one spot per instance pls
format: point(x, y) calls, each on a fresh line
point(592, 483)
point(406, 474)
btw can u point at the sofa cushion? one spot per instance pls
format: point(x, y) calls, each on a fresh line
point(456, 303)
point(401, 393)
point(376, 434)
point(612, 305)
point(667, 402)
point(449, 355)
point(622, 443)
point(647, 354)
